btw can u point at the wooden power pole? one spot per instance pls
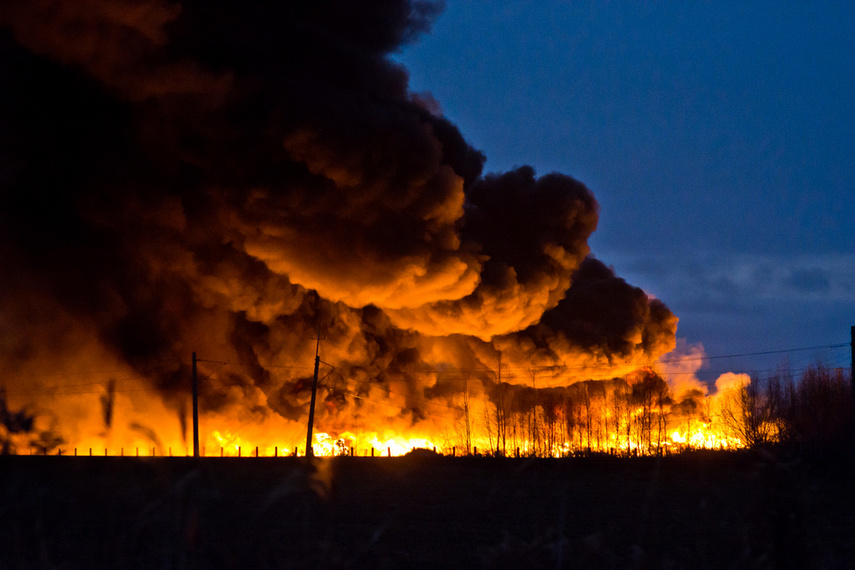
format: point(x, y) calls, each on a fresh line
point(309, 451)
point(195, 410)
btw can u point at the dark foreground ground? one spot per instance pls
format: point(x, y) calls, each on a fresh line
point(700, 511)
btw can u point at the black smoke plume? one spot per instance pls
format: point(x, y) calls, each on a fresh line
point(224, 177)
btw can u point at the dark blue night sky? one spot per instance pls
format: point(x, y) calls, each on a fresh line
point(717, 138)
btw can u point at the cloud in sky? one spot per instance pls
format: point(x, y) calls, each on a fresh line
point(829, 277)
point(739, 303)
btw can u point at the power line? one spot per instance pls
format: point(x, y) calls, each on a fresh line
point(441, 371)
point(52, 392)
point(222, 365)
point(449, 371)
point(762, 353)
point(396, 406)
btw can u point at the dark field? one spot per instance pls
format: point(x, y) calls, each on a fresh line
point(699, 511)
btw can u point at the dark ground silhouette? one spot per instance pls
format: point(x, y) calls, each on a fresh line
point(703, 510)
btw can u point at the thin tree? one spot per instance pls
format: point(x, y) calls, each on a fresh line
point(663, 402)
point(743, 412)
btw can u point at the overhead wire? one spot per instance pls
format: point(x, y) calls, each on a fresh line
point(443, 371)
point(760, 353)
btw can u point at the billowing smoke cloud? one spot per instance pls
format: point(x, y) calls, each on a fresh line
point(226, 178)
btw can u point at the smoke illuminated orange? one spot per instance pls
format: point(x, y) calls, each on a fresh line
point(164, 196)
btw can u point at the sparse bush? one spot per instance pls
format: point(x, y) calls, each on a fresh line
point(820, 413)
point(811, 416)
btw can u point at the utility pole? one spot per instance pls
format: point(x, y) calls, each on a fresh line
point(852, 380)
point(501, 418)
point(195, 410)
point(468, 425)
point(196, 447)
point(309, 451)
point(534, 428)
